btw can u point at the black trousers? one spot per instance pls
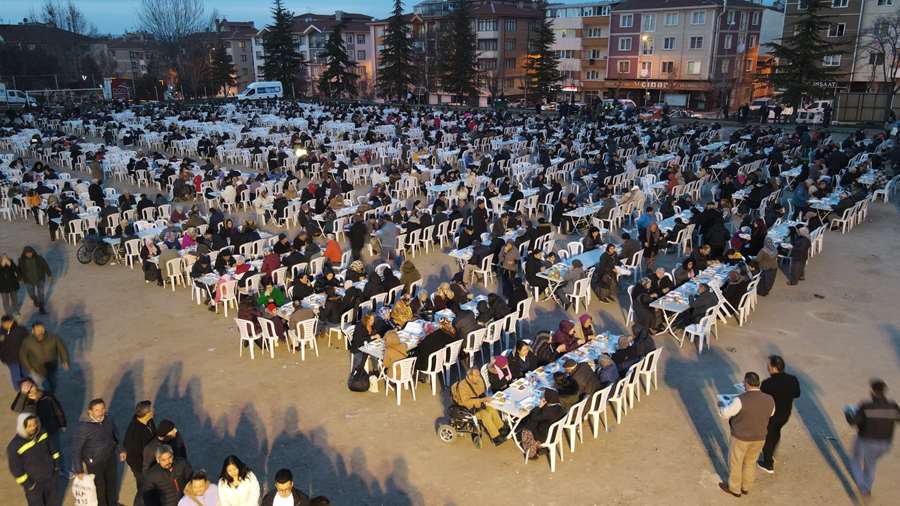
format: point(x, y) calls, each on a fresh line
point(44, 493)
point(106, 481)
point(798, 269)
point(773, 436)
point(139, 484)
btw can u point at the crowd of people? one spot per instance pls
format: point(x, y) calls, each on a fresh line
point(353, 196)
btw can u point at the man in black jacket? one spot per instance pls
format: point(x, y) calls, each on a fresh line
point(583, 376)
point(11, 337)
point(166, 434)
point(164, 482)
point(94, 446)
point(33, 461)
point(875, 421)
point(784, 388)
point(43, 404)
point(284, 488)
point(140, 431)
point(358, 235)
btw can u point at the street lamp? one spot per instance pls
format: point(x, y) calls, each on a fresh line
point(644, 39)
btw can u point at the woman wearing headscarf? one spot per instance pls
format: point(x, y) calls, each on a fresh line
point(641, 298)
point(536, 426)
point(436, 341)
point(409, 275)
point(767, 263)
point(394, 351)
point(402, 312)
point(151, 270)
point(422, 306)
point(586, 327)
point(389, 279)
point(443, 297)
point(652, 240)
point(565, 339)
point(499, 375)
point(356, 272)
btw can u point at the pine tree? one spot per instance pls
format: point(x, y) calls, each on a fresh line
point(283, 62)
point(457, 67)
point(338, 79)
point(542, 74)
point(396, 69)
point(799, 69)
point(221, 73)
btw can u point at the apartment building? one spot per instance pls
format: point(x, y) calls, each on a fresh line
point(237, 37)
point(416, 31)
point(131, 54)
point(698, 54)
point(311, 32)
point(502, 29)
point(582, 46)
point(859, 68)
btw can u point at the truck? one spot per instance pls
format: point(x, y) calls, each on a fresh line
point(15, 98)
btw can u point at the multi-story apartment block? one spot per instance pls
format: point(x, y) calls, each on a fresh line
point(237, 37)
point(416, 31)
point(699, 54)
point(503, 29)
point(582, 45)
point(850, 22)
point(311, 32)
point(131, 55)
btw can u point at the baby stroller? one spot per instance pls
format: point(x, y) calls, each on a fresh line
point(462, 421)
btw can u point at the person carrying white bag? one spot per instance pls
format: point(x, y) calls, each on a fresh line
point(94, 448)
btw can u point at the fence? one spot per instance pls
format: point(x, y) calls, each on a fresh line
point(863, 107)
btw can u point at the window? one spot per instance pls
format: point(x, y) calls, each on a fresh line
point(565, 53)
point(360, 38)
point(349, 38)
point(487, 44)
point(509, 63)
point(727, 43)
point(754, 18)
point(647, 45)
point(831, 60)
point(669, 43)
point(730, 18)
point(596, 54)
point(876, 58)
point(839, 4)
point(243, 58)
point(802, 5)
point(624, 67)
point(885, 2)
point(624, 43)
point(672, 19)
point(693, 67)
point(668, 67)
point(648, 22)
point(595, 32)
point(593, 75)
point(360, 55)
point(698, 18)
point(509, 25)
point(748, 65)
point(259, 55)
point(836, 29)
point(379, 32)
point(696, 42)
point(751, 41)
point(646, 66)
point(509, 44)
point(725, 67)
point(487, 25)
point(626, 20)
point(487, 63)
point(243, 44)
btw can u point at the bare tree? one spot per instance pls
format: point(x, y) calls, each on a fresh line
point(881, 51)
point(170, 21)
point(65, 17)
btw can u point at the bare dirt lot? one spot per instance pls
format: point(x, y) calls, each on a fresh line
point(132, 341)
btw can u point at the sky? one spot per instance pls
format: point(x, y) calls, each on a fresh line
point(118, 16)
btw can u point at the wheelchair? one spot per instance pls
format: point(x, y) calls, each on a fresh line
point(461, 421)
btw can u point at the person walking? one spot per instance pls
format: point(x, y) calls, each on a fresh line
point(94, 446)
point(33, 273)
point(748, 415)
point(874, 421)
point(9, 285)
point(41, 355)
point(784, 388)
point(285, 494)
point(33, 461)
point(11, 338)
point(165, 481)
point(141, 430)
point(31, 399)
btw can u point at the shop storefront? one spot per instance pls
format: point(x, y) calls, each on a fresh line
point(695, 95)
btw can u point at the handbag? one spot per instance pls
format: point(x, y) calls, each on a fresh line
point(359, 381)
point(84, 491)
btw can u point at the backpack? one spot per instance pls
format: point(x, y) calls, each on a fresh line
point(359, 381)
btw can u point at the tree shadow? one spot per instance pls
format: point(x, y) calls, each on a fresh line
point(691, 381)
point(318, 467)
point(820, 430)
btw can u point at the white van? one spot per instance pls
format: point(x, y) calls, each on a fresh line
point(16, 98)
point(262, 90)
point(813, 113)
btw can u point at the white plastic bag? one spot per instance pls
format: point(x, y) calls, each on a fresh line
point(84, 491)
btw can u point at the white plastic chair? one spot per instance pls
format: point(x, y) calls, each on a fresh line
point(619, 400)
point(700, 331)
point(175, 272)
point(647, 370)
point(305, 335)
point(575, 248)
point(486, 271)
point(451, 357)
point(597, 409)
point(435, 367)
point(403, 371)
point(227, 296)
point(493, 334)
point(473, 345)
point(581, 291)
point(270, 337)
point(553, 444)
point(574, 424)
point(248, 335)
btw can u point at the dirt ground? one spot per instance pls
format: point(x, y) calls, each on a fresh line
point(132, 341)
